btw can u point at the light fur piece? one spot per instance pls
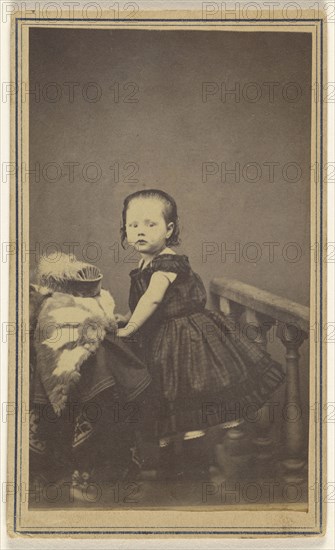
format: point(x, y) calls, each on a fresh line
point(74, 357)
point(71, 315)
point(68, 334)
point(106, 302)
point(69, 329)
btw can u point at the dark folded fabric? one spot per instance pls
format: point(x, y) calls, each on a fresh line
point(114, 364)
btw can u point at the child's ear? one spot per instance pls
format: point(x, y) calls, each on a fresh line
point(170, 228)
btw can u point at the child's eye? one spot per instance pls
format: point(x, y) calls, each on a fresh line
point(151, 224)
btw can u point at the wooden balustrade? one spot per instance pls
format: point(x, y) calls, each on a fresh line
point(259, 311)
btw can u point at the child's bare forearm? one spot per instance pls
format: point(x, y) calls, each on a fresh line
point(143, 311)
point(148, 304)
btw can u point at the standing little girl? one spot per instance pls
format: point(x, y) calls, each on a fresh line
point(200, 369)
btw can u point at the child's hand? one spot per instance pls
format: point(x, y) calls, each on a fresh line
point(125, 332)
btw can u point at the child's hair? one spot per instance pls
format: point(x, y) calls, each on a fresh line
point(169, 212)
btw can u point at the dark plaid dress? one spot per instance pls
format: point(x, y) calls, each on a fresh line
point(204, 371)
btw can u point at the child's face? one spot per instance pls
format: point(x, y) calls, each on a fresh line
point(146, 227)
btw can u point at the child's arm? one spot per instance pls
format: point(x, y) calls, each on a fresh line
point(147, 305)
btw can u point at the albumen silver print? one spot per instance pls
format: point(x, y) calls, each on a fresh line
point(168, 276)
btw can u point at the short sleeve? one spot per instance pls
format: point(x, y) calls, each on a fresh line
point(171, 263)
point(170, 275)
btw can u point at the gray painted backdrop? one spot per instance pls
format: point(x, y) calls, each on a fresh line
point(168, 134)
point(145, 116)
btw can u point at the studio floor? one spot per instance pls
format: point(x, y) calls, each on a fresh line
point(233, 481)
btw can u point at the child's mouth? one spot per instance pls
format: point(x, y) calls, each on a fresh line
point(141, 242)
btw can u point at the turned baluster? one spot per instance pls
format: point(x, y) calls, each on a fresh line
point(235, 443)
point(293, 431)
point(257, 326)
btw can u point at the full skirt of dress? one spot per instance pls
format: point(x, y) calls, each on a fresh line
point(206, 372)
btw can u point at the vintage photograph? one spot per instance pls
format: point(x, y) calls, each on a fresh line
point(169, 274)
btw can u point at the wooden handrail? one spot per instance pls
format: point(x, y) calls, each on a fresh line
point(264, 310)
point(264, 302)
